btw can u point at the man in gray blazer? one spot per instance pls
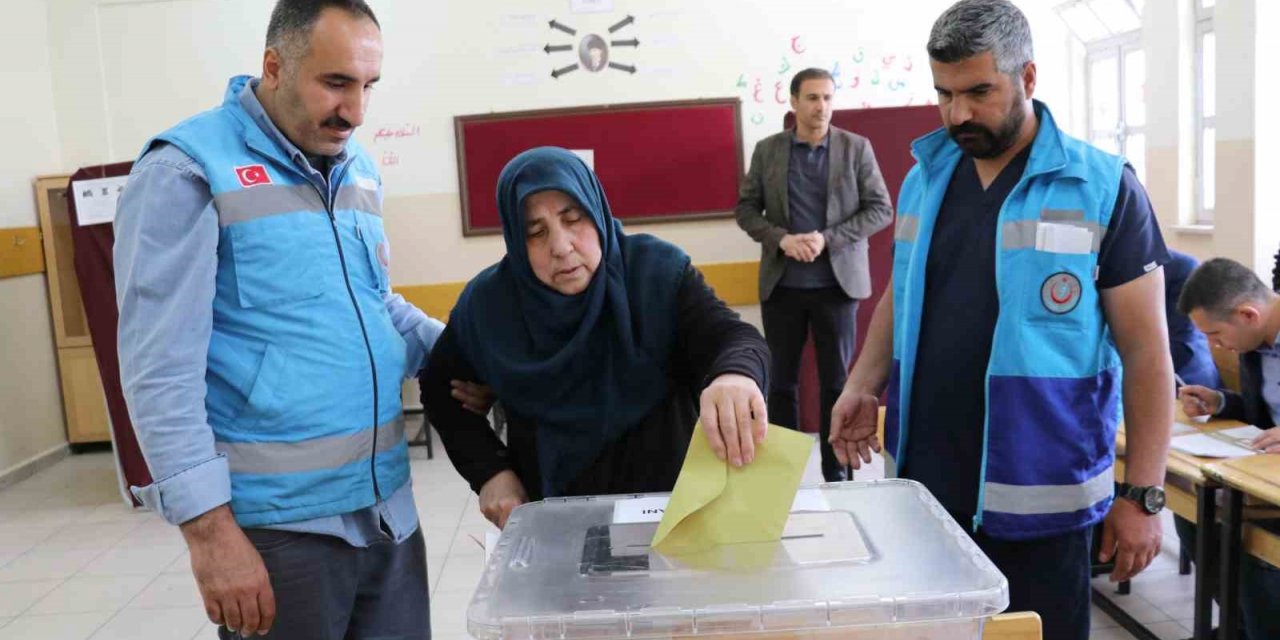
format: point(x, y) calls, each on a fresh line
point(812, 197)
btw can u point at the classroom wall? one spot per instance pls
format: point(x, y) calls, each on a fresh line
point(453, 58)
point(31, 421)
point(1244, 228)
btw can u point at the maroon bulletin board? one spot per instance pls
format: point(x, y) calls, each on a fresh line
point(891, 131)
point(657, 160)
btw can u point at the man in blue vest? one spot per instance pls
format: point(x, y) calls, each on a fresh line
point(262, 350)
point(1027, 270)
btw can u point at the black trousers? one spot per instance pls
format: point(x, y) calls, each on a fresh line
point(1049, 576)
point(789, 315)
point(326, 589)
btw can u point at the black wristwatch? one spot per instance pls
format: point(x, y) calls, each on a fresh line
point(1151, 499)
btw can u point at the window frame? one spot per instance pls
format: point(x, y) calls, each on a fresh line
point(1116, 48)
point(1204, 25)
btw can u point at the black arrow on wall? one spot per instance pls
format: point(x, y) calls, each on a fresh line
point(625, 21)
point(625, 43)
point(559, 27)
point(557, 47)
point(621, 67)
point(563, 70)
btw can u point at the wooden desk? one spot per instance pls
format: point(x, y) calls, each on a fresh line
point(1192, 494)
point(1257, 477)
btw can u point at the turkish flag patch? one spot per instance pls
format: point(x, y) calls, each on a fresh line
point(253, 175)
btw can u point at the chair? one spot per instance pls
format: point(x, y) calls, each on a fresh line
point(1023, 625)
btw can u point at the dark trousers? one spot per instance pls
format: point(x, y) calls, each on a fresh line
point(1049, 576)
point(789, 315)
point(327, 589)
point(1259, 585)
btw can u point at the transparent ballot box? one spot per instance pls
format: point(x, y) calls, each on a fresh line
point(863, 560)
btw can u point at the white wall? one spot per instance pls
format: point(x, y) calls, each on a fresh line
point(31, 422)
point(1246, 227)
point(445, 59)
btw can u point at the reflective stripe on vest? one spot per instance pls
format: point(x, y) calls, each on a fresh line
point(310, 455)
point(1022, 234)
point(273, 199)
point(906, 228)
point(890, 465)
point(1040, 499)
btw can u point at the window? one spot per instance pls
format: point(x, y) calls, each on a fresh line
point(1205, 111)
point(1116, 69)
point(1115, 73)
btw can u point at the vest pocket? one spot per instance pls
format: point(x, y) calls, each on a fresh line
point(245, 378)
point(264, 399)
point(277, 259)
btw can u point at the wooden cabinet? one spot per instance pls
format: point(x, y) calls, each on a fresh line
point(83, 400)
point(82, 396)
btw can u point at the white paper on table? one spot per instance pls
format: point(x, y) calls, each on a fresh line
point(1244, 436)
point(96, 199)
point(1181, 429)
point(1206, 446)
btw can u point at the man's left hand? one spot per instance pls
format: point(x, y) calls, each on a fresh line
point(1131, 536)
point(816, 241)
point(1268, 442)
point(734, 417)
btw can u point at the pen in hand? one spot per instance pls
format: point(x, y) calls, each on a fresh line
point(1180, 384)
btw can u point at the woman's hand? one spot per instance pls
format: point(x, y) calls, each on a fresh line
point(500, 496)
point(475, 397)
point(734, 417)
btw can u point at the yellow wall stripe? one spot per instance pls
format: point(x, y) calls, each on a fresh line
point(20, 252)
point(734, 282)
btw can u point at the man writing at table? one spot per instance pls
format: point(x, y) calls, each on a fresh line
point(1236, 311)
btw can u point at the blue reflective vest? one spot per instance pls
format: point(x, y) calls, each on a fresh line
point(304, 364)
point(1053, 379)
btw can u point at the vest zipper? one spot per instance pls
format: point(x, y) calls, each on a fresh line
point(346, 278)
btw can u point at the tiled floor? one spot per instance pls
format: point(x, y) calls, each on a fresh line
point(75, 563)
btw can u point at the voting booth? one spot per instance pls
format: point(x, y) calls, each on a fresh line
point(873, 560)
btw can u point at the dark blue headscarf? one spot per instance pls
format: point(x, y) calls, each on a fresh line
point(585, 368)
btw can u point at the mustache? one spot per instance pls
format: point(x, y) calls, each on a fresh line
point(970, 127)
point(336, 122)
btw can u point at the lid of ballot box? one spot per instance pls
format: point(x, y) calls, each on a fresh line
point(853, 554)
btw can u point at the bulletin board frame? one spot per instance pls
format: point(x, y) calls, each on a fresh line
point(658, 161)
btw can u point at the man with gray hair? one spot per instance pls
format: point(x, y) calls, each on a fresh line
point(1020, 254)
point(262, 350)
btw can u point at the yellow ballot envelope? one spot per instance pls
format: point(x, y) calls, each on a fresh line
point(715, 503)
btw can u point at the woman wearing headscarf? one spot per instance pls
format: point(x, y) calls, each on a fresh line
point(604, 348)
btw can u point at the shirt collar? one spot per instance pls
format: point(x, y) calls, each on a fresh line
point(822, 144)
point(249, 102)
